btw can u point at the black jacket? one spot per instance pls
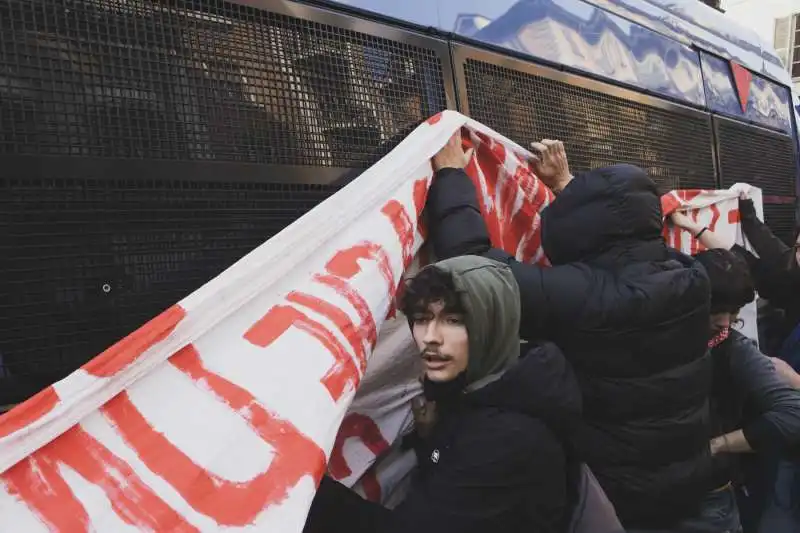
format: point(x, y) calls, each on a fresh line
point(630, 315)
point(749, 394)
point(775, 270)
point(492, 463)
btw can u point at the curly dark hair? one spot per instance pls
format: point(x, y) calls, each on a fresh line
point(431, 285)
point(732, 285)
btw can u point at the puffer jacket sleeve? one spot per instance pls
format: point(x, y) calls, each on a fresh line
point(455, 224)
point(777, 425)
point(336, 508)
point(775, 271)
point(769, 247)
point(456, 227)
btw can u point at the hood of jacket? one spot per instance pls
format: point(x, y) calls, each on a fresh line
point(611, 215)
point(491, 300)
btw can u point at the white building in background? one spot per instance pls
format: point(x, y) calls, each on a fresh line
point(786, 41)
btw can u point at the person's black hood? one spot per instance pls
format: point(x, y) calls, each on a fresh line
point(541, 384)
point(613, 213)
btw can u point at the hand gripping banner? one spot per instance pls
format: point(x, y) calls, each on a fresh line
point(222, 413)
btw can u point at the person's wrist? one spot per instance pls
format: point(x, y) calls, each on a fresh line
point(561, 183)
point(449, 166)
point(693, 228)
point(719, 445)
point(715, 446)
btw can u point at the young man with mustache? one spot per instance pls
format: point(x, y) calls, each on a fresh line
point(490, 454)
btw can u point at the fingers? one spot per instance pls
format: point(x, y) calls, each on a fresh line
point(455, 140)
point(451, 155)
point(539, 148)
point(549, 147)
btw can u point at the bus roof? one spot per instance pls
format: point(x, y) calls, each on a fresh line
point(694, 23)
point(689, 22)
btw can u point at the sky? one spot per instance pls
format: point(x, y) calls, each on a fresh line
point(760, 15)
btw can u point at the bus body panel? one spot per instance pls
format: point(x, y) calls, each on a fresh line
point(147, 146)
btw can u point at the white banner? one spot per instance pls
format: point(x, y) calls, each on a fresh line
point(221, 414)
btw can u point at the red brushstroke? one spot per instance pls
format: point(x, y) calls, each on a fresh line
point(434, 119)
point(715, 216)
point(357, 425)
point(687, 195)
point(229, 503)
point(694, 244)
point(345, 262)
point(669, 204)
point(488, 165)
point(534, 244)
point(342, 321)
point(527, 218)
point(403, 226)
point(280, 318)
point(506, 200)
point(28, 412)
point(420, 197)
point(38, 482)
point(369, 330)
point(131, 347)
point(734, 216)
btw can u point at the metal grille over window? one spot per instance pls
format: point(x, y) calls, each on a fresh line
point(597, 129)
point(87, 257)
point(85, 262)
point(781, 220)
point(765, 159)
point(753, 155)
point(203, 80)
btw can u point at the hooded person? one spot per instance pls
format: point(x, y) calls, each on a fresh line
point(491, 458)
point(629, 314)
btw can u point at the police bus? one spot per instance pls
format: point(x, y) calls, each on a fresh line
point(146, 145)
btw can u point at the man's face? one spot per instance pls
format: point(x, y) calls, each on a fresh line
point(443, 343)
point(720, 321)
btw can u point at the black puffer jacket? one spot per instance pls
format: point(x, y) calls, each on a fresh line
point(495, 459)
point(632, 318)
point(494, 462)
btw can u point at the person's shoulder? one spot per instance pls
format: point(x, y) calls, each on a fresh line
point(744, 356)
point(737, 339)
point(501, 428)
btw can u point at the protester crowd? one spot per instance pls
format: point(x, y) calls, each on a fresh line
point(608, 392)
